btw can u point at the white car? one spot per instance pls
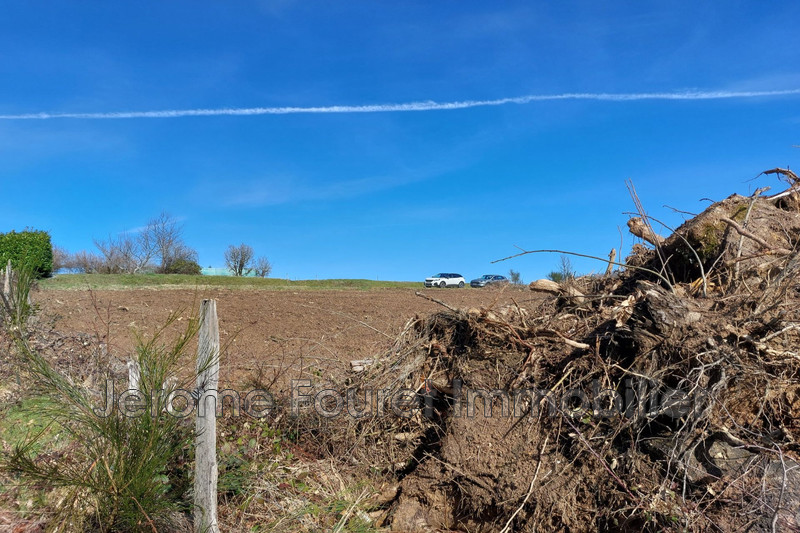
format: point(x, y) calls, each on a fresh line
point(445, 280)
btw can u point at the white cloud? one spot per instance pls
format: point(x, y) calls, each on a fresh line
point(428, 105)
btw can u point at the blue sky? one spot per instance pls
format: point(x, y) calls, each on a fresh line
point(358, 188)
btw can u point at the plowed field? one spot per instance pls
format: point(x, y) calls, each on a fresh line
point(263, 329)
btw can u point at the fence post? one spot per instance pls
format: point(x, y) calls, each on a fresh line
point(205, 473)
point(133, 375)
point(7, 282)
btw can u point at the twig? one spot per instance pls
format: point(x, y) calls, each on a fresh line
point(574, 344)
point(507, 527)
point(783, 490)
point(640, 208)
point(346, 516)
point(607, 468)
point(784, 330)
point(434, 300)
point(459, 471)
point(521, 314)
point(741, 231)
point(756, 194)
point(789, 272)
point(149, 521)
point(679, 211)
point(525, 252)
point(782, 172)
point(345, 315)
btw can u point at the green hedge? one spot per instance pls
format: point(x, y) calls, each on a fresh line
point(30, 247)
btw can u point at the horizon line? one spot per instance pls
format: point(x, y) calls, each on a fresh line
point(428, 105)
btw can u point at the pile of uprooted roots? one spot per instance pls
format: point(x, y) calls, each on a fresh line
point(663, 396)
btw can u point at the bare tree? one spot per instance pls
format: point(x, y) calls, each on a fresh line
point(262, 267)
point(239, 259)
point(160, 241)
point(165, 235)
point(113, 255)
point(515, 277)
point(127, 253)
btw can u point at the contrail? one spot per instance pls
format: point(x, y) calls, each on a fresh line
point(428, 105)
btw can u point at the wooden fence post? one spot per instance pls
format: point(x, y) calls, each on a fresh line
point(134, 375)
point(7, 281)
point(205, 473)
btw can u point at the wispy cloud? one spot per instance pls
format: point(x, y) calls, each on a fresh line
point(277, 191)
point(428, 105)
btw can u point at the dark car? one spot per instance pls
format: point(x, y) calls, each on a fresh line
point(488, 279)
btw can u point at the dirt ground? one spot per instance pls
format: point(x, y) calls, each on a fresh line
point(263, 330)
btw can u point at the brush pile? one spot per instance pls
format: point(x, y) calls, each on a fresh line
point(664, 396)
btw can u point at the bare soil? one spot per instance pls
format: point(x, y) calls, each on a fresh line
point(262, 329)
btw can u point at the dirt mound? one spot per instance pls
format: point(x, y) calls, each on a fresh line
point(663, 397)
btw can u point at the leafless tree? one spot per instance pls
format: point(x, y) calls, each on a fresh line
point(262, 267)
point(127, 253)
point(112, 255)
point(165, 235)
point(239, 259)
point(160, 242)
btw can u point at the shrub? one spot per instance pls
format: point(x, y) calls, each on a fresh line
point(88, 263)
point(119, 472)
point(30, 248)
point(183, 266)
point(565, 273)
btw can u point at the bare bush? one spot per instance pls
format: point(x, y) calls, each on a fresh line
point(88, 263)
point(239, 259)
point(62, 259)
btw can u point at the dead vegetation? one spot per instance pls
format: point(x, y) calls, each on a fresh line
point(665, 396)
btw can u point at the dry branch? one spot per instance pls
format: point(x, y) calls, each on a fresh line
point(634, 267)
point(783, 172)
point(612, 256)
point(638, 227)
point(750, 235)
point(434, 300)
point(755, 196)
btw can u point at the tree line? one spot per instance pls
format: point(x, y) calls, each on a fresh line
point(157, 247)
